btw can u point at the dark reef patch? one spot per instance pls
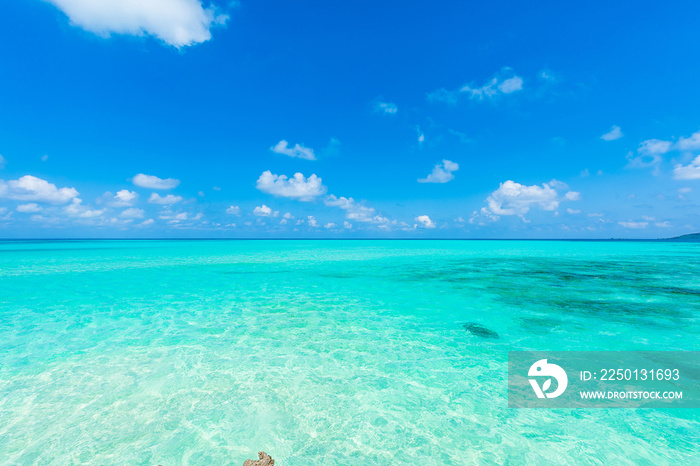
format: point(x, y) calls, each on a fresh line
point(480, 330)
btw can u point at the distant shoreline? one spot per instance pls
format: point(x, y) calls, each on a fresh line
point(695, 237)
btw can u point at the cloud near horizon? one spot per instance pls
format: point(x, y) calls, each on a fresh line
point(513, 198)
point(153, 182)
point(298, 187)
point(164, 200)
point(31, 188)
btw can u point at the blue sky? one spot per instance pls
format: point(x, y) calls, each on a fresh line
point(173, 118)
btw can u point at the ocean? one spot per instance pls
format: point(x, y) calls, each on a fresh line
point(329, 352)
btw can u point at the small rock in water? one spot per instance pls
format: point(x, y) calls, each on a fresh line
point(265, 460)
point(480, 330)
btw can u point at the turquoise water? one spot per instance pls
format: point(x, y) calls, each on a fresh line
point(328, 352)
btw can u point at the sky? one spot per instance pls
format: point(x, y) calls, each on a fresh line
point(364, 119)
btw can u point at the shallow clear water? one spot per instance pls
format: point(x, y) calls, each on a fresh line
point(328, 352)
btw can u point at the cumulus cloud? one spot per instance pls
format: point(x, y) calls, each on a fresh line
point(123, 198)
point(424, 221)
point(76, 209)
point(442, 173)
point(153, 182)
point(329, 225)
point(298, 151)
point(347, 225)
point(31, 188)
point(386, 107)
point(164, 200)
point(355, 210)
point(233, 210)
point(297, 187)
point(498, 85)
point(262, 211)
point(132, 213)
point(690, 143)
point(688, 172)
point(614, 133)
point(178, 23)
point(513, 198)
point(311, 220)
point(28, 208)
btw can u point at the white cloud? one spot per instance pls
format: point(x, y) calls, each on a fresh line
point(684, 190)
point(572, 211)
point(663, 224)
point(511, 85)
point(153, 182)
point(442, 173)
point(28, 208)
point(44, 158)
point(654, 147)
point(173, 217)
point(386, 107)
point(347, 225)
point(164, 200)
point(288, 216)
point(614, 133)
point(297, 187)
point(649, 154)
point(2, 162)
point(123, 198)
point(132, 213)
point(150, 221)
point(498, 85)
point(75, 209)
point(298, 151)
point(311, 220)
point(329, 225)
point(688, 172)
point(31, 188)
point(176, 22)
point(354, 210)
point(424, 221)
point(634, 225)
point(262, 211)
point(513, 198)
point(233, 210)
point(489, 89)
point(689, 143)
